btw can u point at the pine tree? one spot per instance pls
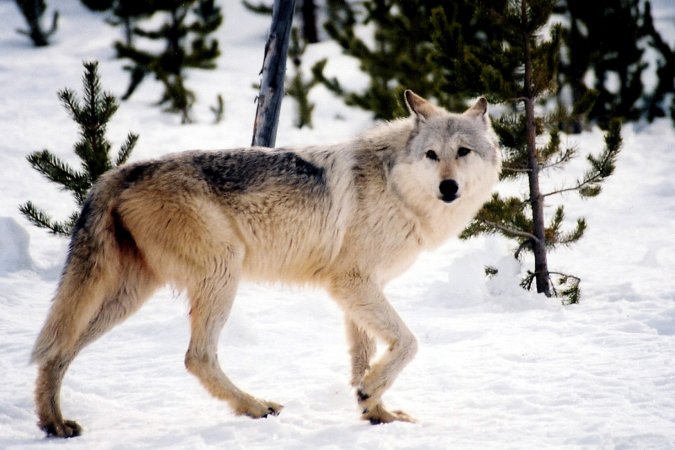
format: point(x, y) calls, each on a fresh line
point(187, 44)
point(433, 47)
point(92, 115)
point(525, 73)
point(32, 11)
point(403, 54)
point(608, 39)
point(454, 50)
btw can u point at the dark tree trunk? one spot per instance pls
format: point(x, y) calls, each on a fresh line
point(273, 73)
point(536, 200)
point(309, 31)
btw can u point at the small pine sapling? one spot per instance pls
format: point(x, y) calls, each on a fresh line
point(32, 11)
point(401, 53)
point(522, 133)
point(186, 35)
point(92, 116)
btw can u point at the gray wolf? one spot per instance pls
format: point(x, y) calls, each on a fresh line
point(348, 217)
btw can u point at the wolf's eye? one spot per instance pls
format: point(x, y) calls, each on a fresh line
point(463, 151)
point(431, 155)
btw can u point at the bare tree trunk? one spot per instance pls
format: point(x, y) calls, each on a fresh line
point(536, 199)
point(273, 72)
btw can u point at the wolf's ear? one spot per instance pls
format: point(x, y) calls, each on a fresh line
point(419, 106)
point(479, 109)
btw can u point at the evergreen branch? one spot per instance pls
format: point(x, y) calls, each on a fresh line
point(509, 230)
point(574, 277)
point(516, 169)
point(574, 235)
point(526, 283)
point(56, 170)
point(70, 102)
point(552, 232)
point(569, 287)
point(564, 158)
point(568, 189)
point(126, 148)
point(523, 245)
point(601, 167)
point(41, 220)
point(332, 84)
point(72, 220)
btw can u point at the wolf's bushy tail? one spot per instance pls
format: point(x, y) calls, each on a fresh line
point(90, 275)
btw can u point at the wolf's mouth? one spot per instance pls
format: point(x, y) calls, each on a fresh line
point(449, 198)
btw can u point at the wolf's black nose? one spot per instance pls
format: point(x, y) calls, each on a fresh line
point(448, 190)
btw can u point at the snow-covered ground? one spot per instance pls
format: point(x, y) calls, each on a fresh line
point(497, 368)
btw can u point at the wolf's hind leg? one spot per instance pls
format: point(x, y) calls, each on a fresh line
point(361, 348)
point(211, 301)
point(47, 401)
point(137, 285)
point(365, 305)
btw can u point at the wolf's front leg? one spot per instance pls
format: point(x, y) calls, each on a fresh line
point(211, 301)
point(368, 309)
point(361, 348)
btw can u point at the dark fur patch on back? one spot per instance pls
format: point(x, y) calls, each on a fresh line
point(252, 170)
point(138, 172)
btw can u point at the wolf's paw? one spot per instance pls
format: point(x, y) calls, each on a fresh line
point(258, 409)
point(378, 415)
point(64, 429)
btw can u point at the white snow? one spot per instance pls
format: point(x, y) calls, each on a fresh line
point(498, 367)
point(13, 246)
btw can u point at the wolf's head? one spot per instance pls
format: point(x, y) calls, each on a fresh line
point(448, 156)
